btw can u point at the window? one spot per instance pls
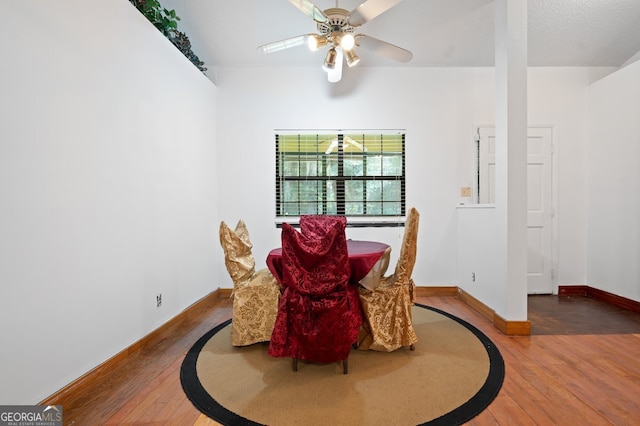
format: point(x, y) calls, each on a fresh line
point(359, 175)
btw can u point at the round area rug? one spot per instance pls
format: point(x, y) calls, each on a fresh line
point(453, 374)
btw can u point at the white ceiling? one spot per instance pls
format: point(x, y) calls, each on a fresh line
point(438, 32)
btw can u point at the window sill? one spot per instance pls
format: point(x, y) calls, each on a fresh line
point(475, 206)
point(353, 221)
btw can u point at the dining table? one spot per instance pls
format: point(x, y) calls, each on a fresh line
point(368, 261)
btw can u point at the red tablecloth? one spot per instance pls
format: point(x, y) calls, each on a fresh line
point(363, 255)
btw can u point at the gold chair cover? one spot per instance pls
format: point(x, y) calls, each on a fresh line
point(255, 293)
point(373, 279)
point(387, 309)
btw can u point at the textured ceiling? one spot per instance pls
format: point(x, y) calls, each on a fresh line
point(438, 32)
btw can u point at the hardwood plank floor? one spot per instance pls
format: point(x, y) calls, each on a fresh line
point(575, 315)
point(555, 377)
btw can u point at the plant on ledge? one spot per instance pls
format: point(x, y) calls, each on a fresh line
point(167, 22)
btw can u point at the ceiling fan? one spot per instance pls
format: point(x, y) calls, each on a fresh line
point(337, 29)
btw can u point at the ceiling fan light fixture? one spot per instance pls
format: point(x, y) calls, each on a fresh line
point(347, 41)
point(335, 75)
point(315, 42)
point(330, 60)
point(352, 58)
point(336, 29)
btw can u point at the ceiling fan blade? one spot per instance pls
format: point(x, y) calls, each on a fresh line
point(310, 9)
point(369, 10)
point(284, 44)
point(383, 48)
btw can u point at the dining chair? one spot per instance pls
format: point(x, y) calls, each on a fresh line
point(255, 293)
point(319, 224)
point(319, 314)
point(387, 309)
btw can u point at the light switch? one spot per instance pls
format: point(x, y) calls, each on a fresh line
point(465, 191)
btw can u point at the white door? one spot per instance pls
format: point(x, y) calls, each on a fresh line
point(487, 166)
point(539, 196)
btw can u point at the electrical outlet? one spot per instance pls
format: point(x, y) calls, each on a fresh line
point(158, 300)
point(465, 191)
point(473, 277)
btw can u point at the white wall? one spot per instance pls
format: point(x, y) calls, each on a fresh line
point(613, 233)
point(438, 107)
point(109, 177)
point(107, 188)
point(479, 261)
point(556, 98)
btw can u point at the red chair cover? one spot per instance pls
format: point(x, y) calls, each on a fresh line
point(319, 313)
point(317, 225)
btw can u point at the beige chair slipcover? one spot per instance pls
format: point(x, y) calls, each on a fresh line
point(387, 309)
point(255, 293)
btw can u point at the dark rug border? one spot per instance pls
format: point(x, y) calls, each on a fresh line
point(201, 399)
point(489, 389)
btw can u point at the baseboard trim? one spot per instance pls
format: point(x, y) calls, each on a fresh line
point(509, 328)
point(573, 290)
point(75, 389)
point(224, 293)
point(435, 291)
point(477, 305)
point(605, 296)
point(512, 328)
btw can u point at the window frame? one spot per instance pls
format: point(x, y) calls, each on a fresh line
point(359, 220)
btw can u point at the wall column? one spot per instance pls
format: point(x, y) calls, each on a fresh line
point(511, 152)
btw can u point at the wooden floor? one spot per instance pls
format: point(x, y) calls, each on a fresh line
point(587, 373)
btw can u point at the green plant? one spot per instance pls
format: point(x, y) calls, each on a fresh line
point(166, 21)
point(181, 41)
